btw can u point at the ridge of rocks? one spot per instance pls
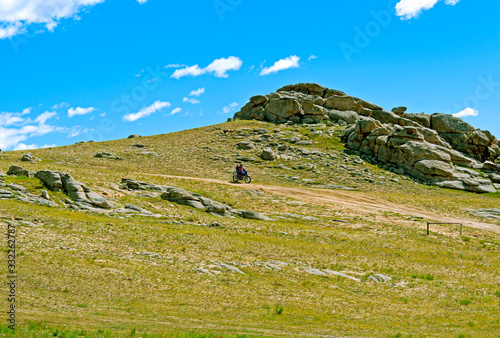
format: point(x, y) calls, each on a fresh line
point(184, 197)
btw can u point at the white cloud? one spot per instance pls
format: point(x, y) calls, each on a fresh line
point(227, 109)
point(287, 63)
point(218, 67)
point(21, 129)
point(221, 66)
point(76, 130)
point(9, 119)
point(17, 15)
point(467, 112)
point(197, 92)
point(157, 106)
point(175, 65)
point(193, 101)
point(191, 71)
point(22, 146)
point(176, 111)
point(9, 30)
point(312, 57)
point(60, 105)
point(80, 111)
point(408, 9)
point(44, 117)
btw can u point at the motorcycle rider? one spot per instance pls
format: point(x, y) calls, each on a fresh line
point(240, 170)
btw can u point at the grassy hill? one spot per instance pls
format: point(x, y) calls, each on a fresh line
point(96, 274)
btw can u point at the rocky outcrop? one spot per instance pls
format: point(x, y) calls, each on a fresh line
point(80, 194)
point(307, 103)
point(437, 149)
point(16, 170)
point(418, 152)
point(108, 155)
point(51, 179)
point(29, 158)
point(184, 197)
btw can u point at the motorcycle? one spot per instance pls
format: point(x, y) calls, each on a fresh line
point(239, 177)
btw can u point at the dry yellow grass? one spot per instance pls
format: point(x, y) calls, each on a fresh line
point(88, 271)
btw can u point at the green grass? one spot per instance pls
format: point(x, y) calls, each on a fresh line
point(43, 330)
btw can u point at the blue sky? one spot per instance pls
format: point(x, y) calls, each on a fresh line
point(80, 70)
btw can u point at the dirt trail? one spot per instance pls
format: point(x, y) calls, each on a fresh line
point(354, 200)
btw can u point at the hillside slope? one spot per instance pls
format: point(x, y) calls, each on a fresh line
point(344, 254)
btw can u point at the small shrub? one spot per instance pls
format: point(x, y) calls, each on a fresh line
point(429, 277)
point(465, 302)
point(278, 309)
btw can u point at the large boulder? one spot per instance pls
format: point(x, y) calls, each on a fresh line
point(16, 170)
point(283, 109)
point(259, 99)
point(349, 117)
point(422, 119)
point(436, 168)
point(51, 179)
point(246, 145)
point(444, 123)
point(399, 110)
point(268, 155)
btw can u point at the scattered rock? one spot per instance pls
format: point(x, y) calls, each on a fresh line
point(310, 218)
point(229, 267)
point(16, 170)
point(315, 272)
point(29, 158)
point(253, 215)
point(487, 213)
point(29, 224)
point(45, 195)
point(184, 197)
point(134, 136)
point(6, 194)
point(268, 155)
point(335, 273)
point(379, 278)
point(16, 187)
point(246, 145)
point(204, 271)
point(107, 155)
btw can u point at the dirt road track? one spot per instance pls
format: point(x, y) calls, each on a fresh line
point(354, 200)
